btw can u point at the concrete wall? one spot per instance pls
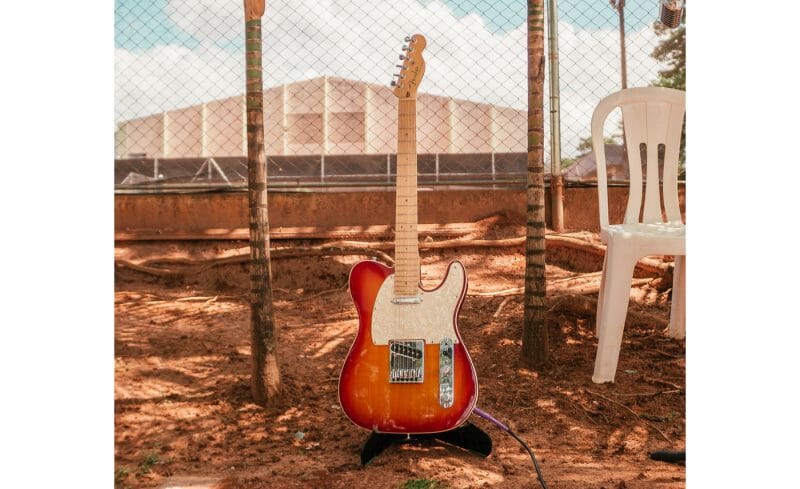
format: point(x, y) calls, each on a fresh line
point(194, 214)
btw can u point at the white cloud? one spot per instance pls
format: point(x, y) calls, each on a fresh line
point(357, 40)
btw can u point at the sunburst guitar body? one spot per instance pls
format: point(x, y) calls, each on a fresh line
point(408, 370)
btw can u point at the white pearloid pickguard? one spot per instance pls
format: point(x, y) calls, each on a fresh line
point(431, 320)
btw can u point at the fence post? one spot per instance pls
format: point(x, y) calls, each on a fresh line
point(325, 129)
point(556, 178)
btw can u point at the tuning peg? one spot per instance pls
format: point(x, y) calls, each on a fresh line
point(399, 66)
point(404, 48)
point(407, 39)
point(393, 83)
point(402, 57)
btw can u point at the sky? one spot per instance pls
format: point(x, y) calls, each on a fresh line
point(176, 53)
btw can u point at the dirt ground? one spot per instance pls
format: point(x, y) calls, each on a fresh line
point(184, 416)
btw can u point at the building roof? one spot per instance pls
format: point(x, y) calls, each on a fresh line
point(585, 166)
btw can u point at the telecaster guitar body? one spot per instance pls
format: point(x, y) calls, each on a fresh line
point(420, 395)
point(408, 370)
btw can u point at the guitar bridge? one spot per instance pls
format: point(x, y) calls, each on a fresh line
point(406, 361)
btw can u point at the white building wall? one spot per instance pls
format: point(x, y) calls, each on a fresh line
point(224, 126)
point(382, 120)
point(510, 130)
point(183, 134)
point(144, 135)
point(361, 118)
point(273, 121)
point(346, 117)
point(304, 113)
point(433, 124)
point(472, 127)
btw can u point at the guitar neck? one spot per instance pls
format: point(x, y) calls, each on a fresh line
point(406, 249)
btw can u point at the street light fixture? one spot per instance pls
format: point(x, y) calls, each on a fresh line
point(672, 13)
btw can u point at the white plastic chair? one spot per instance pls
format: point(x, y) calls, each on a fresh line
point(653, 116)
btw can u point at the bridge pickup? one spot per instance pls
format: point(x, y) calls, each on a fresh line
point(406, 361)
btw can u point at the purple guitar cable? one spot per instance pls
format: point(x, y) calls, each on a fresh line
point(488, 417)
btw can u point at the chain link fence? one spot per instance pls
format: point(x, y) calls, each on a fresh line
point(330, 115)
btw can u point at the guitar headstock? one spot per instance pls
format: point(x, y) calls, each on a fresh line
point(412, 69)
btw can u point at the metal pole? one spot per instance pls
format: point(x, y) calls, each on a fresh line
point(623, 62)
point(324, 127)
point(556, 179)
point(620, 6)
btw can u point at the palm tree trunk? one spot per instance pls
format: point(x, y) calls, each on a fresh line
point(265, 382)
point(535, 345)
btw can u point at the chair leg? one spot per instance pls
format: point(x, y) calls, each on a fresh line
point(677, 315)
point(612, 312)
point(601, 295)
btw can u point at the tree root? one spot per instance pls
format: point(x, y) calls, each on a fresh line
point(375, 249)
point(199, 265)
point(601, 396)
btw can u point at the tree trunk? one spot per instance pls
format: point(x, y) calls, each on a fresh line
point(265, 382)
point(535, 345)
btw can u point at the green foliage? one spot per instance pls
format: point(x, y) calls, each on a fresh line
point(120, 475)
point(147, 463)
point(585, 144)
point(672, 51)
point(423, 484)
point(567, 162)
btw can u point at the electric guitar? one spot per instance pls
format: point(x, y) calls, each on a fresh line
point(408, 370)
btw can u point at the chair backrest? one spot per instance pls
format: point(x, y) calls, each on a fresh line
point(651, 116)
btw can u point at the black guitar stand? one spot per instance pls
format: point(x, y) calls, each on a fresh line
point(467, 436)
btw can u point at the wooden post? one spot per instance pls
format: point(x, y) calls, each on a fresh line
point(265, 382)
point(535, 344)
